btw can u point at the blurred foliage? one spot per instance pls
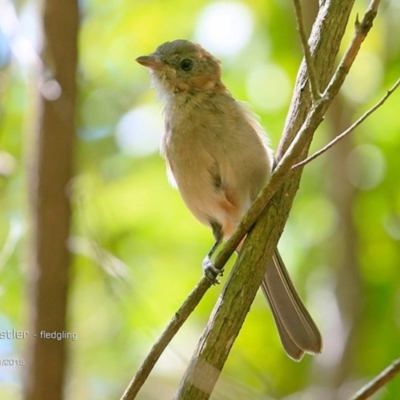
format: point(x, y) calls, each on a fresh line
point(137, 249)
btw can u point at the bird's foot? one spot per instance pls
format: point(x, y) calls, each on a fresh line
point(211, 272)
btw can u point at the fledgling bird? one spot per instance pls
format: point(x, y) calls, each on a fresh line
point(217, 155)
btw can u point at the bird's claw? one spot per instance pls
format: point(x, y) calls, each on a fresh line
point(211, 272)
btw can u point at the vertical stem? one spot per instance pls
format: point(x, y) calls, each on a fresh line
point(49, 177)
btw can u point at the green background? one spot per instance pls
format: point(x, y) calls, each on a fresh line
point(137, 251)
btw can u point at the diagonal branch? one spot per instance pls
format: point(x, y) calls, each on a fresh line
point(350, 128)
point(381, 380)
point(361, 31)
point(162, 342)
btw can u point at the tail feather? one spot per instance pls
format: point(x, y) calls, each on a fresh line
point(297, 330)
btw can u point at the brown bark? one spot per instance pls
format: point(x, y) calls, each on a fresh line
point(49, 177)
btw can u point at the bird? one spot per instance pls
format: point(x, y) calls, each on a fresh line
point(218, 156)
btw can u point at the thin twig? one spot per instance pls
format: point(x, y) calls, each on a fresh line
point(349, 129)
point(319, 108)
point(312, 76)
point(381, 380)
point(165, 338)
point(361, 31)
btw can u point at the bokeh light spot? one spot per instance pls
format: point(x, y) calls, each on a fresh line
point(317, 219)
point(366, 166)
point(365, 77)
point(268, 87)
point(224, 27)
point(139, 131)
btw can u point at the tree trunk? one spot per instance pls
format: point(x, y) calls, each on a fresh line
point(49, 176)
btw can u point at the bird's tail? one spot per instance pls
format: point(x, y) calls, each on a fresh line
point(296, 328)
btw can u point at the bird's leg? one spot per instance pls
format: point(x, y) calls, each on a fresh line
point(208, 267)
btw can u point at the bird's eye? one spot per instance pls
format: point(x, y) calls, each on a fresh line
point(186, 64)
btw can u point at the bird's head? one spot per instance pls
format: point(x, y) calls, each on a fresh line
point(183, 66)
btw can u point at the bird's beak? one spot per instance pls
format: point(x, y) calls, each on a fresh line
point(152, 61)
